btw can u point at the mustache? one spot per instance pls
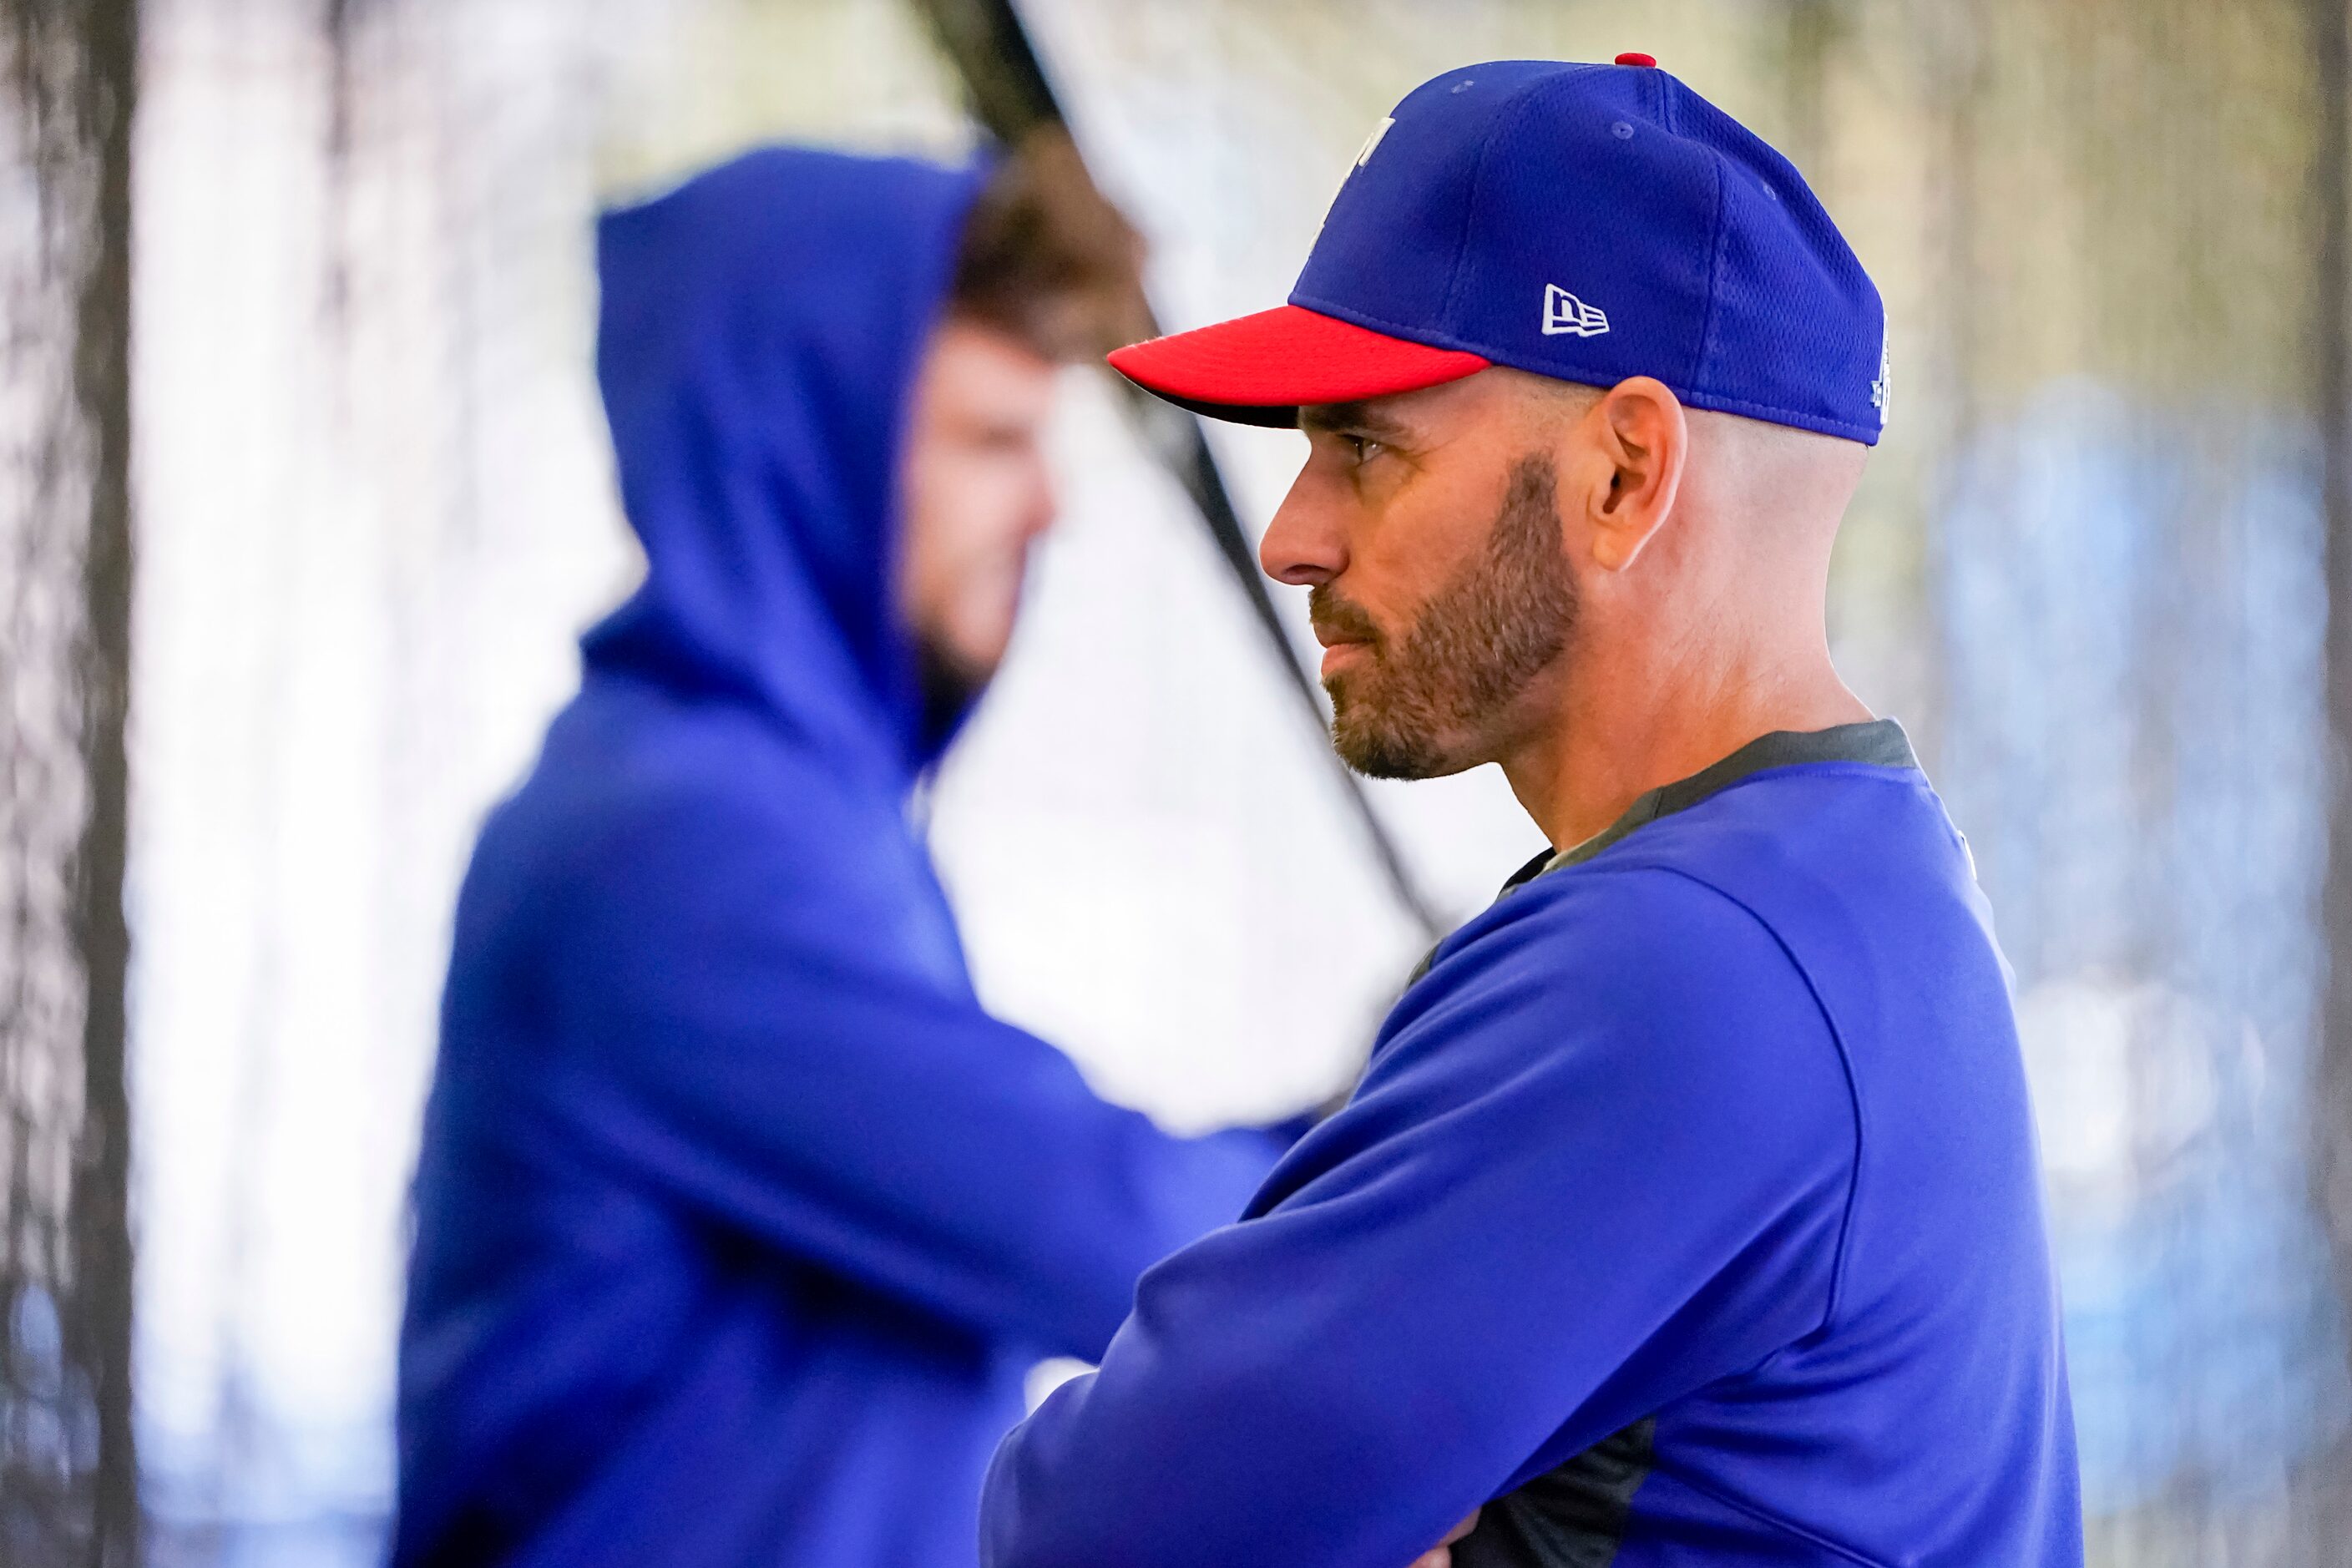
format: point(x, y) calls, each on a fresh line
point(1338, 620)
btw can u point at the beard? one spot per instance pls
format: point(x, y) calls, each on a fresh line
point(1413, 708)
point(948, 687)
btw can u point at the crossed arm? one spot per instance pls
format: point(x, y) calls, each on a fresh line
point(1598, 1162)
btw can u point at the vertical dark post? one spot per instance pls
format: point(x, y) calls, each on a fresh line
point(1956, 72)
point(2331, 206)
point(68, 1473)
point(1815, 27)
point(98, 1303)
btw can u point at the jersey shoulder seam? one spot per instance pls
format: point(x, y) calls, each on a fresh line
point(1837, 1043)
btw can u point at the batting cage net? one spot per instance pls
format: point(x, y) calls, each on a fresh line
point(68, 1471)
point(311, 328)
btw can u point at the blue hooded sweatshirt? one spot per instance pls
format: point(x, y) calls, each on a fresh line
point(1687, 1216)
point(738, 1223)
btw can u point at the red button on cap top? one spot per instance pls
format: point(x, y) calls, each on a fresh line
point(1632, 59)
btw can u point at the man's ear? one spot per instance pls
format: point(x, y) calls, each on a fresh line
point(1643, 441)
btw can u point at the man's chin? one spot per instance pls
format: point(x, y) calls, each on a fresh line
point(1383, 752)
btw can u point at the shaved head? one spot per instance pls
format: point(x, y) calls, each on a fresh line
point(1756, 469)
point(1771, 472)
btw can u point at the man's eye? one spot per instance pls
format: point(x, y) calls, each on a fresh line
point(1362, 449)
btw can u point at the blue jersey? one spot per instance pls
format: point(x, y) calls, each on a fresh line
point(739, 1221)
point(1688, 1215)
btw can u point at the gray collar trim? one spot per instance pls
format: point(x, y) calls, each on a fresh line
point(1877, 742)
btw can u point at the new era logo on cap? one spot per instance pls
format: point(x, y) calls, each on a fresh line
point(1700, 258)
point(1564, 312)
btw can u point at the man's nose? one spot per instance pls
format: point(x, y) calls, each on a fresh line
point(1301, 547)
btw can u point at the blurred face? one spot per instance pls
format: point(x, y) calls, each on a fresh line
point(976, 495)
point(1426, 527)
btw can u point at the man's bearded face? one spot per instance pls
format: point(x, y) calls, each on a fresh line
point(1411, 707)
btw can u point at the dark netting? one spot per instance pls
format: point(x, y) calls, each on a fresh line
point(67, 1479)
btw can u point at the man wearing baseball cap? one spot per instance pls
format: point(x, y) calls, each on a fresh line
point(1688, 1212)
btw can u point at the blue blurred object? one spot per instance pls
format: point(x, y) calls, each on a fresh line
point(2133, 609)
point(740, 1223)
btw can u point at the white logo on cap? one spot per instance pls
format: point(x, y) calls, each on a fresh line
point(1363, 156)
point(1564, 312)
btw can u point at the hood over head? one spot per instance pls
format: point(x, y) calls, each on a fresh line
point(759, 334)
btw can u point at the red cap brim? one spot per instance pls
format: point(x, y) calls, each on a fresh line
point(1258, 369)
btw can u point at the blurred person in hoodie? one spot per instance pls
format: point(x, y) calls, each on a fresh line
point(738, 1222)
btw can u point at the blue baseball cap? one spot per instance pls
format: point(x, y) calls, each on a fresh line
point(1583, 221)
